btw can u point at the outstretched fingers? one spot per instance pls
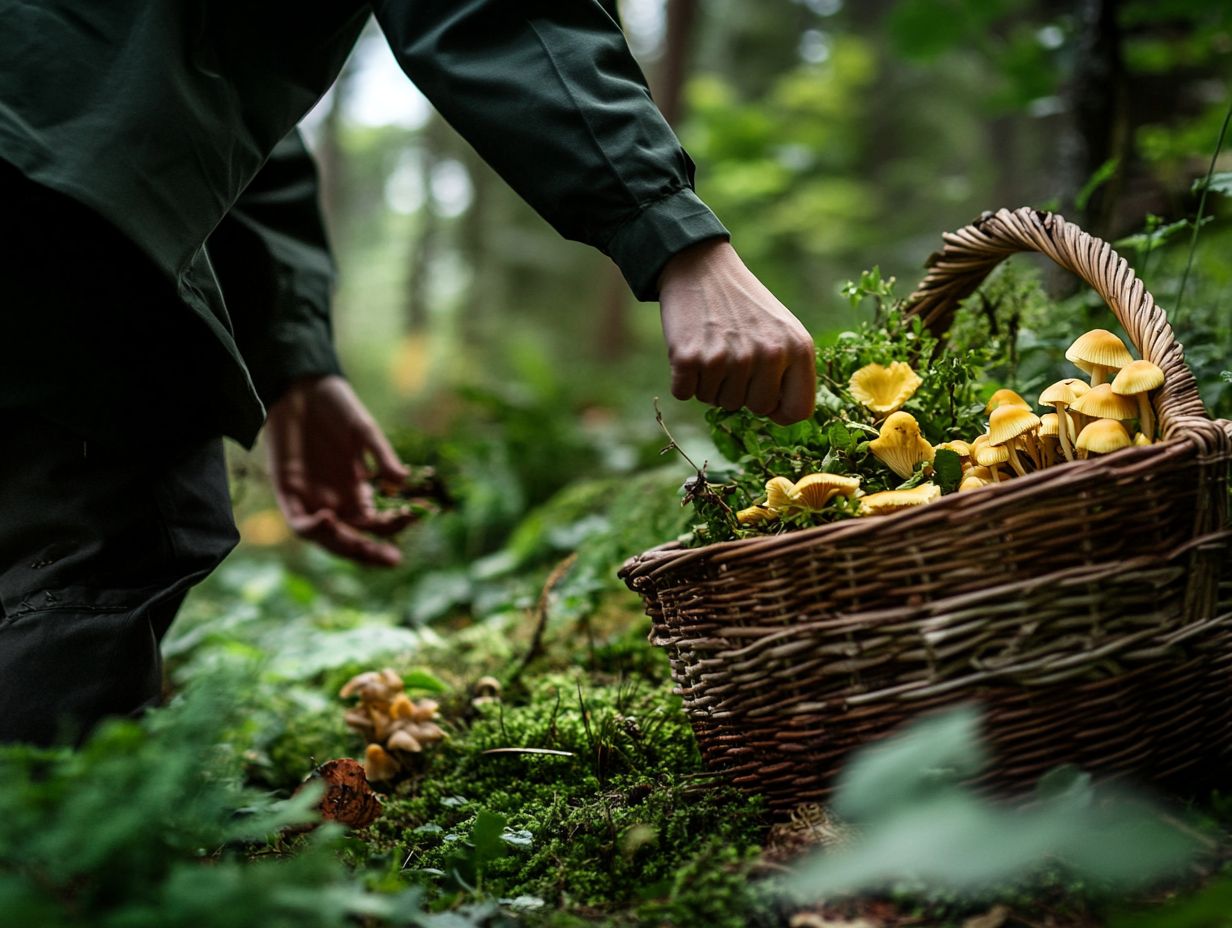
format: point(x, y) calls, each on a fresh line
point(326, 529)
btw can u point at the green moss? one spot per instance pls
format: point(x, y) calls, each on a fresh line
point(609, 828)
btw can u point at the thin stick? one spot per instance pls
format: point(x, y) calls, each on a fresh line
point(1206, 186)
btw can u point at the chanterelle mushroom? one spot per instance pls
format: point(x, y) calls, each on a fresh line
point(900, 445)
point(813, 492)
point(887, 501)
point(778, 494)
point(1138, 379)
point(1098, 353)
point(884, 389)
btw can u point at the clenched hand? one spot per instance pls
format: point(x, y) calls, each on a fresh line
point(320, 440)
point(729, 341)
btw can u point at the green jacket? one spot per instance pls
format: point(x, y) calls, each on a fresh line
point(174, 120)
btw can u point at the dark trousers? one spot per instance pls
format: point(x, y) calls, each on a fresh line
point(99, 542)
point(113, 488)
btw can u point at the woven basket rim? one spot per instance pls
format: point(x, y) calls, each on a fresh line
point(674, 554)
point(954, 272)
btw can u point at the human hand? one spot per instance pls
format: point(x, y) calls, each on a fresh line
point(730, 343)
point(320, 437)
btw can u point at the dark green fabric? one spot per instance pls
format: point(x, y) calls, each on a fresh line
point(271, 256)
point(159, 114)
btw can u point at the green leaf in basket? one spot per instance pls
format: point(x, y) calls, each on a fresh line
point(840, 438)
point(947, 470)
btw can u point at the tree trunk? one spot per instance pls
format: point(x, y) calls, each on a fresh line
point(1097, 109)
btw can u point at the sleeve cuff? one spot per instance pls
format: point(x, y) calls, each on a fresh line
point(294, 349)
point(644, 245)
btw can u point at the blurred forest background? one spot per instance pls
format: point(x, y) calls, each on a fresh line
point(829, 136)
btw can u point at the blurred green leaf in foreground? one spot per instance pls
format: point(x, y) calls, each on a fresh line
point(916, 824)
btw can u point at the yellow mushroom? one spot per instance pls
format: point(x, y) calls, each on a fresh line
point(378, 764)
point(992, 457)
point(887, 501)
point(1005, 397)
point(778, 493)
point(813, 492)
point(1103, 436)
point(972, 482)
point(1050, 436)
point(884, 389)
point(1101, 403)
point(1138, 379)
point(754, 515)
point(1061, 396)
point(900, 445)
point(1011, 427)
point(1098, 353)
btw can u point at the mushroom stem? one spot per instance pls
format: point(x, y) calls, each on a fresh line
point(1146, 417)
point(1014, 462)
point(1035, 451)
point(1063, 431)
point(1099, 374)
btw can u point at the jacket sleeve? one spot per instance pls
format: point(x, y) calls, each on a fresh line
point(272, 259)
point(548, 93)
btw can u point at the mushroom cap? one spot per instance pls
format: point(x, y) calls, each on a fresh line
point(980, 472)
point(754, 515)
point(814, 491)
point(778, 493)
point(358, 719)
point(403, 740)
point(425, 709)
point(1140, 439)
point(1103, 436)
point(900, 446)
point(1007, 422)
point(1064, 392)
point(1050, 426)
point(1005, 397)
point(876, 504)
point(378, 764)
point(1137, 377)
point(372, 686)
point(991, 455)
point(1101, 403)
point(1099, 347)
point(958, 446)
point(972, 482)
point(884, 389)
point(401, 707)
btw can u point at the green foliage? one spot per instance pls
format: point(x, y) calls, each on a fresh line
point(917, 823)
point(147, 825)
point(615, 821)
point(949, 404)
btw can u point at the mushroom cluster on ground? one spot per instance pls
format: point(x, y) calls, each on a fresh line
point(396, 727)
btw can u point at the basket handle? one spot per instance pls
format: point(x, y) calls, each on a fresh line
point(973, 251)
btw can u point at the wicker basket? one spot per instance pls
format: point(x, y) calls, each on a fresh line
point(1087, 607)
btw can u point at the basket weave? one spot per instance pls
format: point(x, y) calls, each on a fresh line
point(1087, 607)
